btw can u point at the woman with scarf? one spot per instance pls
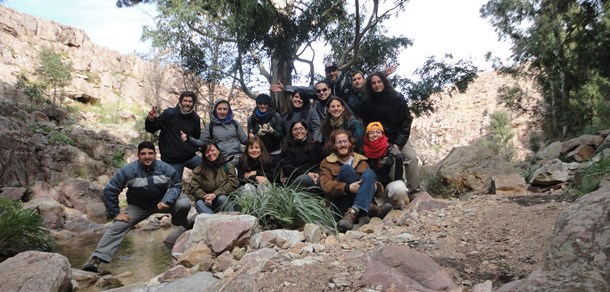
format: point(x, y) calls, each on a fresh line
point(301, 157)
point(386, 161)
point(300, 109)
point(224, 130)
point(212, 181)
point(255, 167)
point(266, 124)
point(339, 117)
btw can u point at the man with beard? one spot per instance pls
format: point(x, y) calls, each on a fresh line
point(348, 182)
point(152, 187)
point(172, 123)
point(386, 105)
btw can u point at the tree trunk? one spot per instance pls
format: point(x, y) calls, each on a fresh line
point(281, 71)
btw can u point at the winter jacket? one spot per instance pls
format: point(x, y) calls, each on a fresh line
point(329, 170)
point(221, 180)
point(341, 87)
point(254, 165)
point(388, 167)
point(171, 122)
point(230, 135)
point(393, 113)
point(297, 160)
point(272, 141)
point(146, 186)
point(357, 129)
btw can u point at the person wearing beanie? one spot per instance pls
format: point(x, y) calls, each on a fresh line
point(266, 124)
point(172, 123)
point(386, 161)
point(224, 130)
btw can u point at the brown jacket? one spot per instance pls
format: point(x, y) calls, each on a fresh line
point(220, 181)
point(329, 170)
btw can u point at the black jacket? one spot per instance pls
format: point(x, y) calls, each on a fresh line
point(171, 122)
point(393, 113)
point(388, 167)
point(272, 141)
point(298, 160)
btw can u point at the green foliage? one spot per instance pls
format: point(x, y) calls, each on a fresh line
point(286, 207)
point(22, 230)
point(499, 136)
point(32, 89)
point(61, 138)
point(587, 180)
point(116, 160)
point(566, 45)
point(439, 187)
point(54, 72)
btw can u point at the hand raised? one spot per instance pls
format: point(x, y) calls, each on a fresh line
point(152, 114)
point(277, 87)
point(183, 136)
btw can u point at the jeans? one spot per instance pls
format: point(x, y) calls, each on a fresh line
point(217, 204)
point(366, 193)
point(190, 164)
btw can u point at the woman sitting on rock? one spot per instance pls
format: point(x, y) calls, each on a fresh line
point(386, 161)
point(340, 117)
point(255, 167)
point(213, 180)
point(301, 156)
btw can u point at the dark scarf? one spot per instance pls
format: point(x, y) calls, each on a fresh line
point(262, 117)
point(377, 148)
point(182, 111)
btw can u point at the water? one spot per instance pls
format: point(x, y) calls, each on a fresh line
point(141, 253)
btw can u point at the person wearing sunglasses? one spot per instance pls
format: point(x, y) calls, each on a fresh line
point(339, 84)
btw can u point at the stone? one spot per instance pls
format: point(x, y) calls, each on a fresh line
point(510, 184)
point(201, 281)
point(12, 193)
point(553, 151)
point(280, 237)
point(482, 287)
point(591, 140)
point(222, 262)
point(552, 173)
point(581, 153)
point(200, 253)
point(83, 196)
point(173, 274)
point(51, 211)
point(222, 232)
point(312, 233)
point(29, 271)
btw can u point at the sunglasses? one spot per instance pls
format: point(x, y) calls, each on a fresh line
point(321, 90)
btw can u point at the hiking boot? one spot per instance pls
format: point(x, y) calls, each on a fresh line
point(375, 211)
point(92, 265)
point(347, 223)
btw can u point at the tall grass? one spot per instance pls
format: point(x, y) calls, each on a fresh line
point(588, 179)
point(22, 230)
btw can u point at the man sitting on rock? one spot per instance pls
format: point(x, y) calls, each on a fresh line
point(153, 186)
point(348, 181)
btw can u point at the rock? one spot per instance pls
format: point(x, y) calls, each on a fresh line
point(173, 274)
point(29, 271)
point(280, 237)
point(482, 287)
point(12, 193)
point(591, 140)
point(402, 268)
point(201, 281)
point(510, 184)
point(552, 173)
point(312, 233)
point(222, 262)
point(551, 152)
point(52, 212)
point(83, 196)
point(83, 278)
point(470, 168)
point(581, 153)
point(605, 145)
point(43, 189)
point(200, 253)
point(222, 232)
point(578, 255)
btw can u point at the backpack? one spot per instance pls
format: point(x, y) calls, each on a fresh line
point(211, 128)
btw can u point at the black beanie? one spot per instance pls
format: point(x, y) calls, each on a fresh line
point(263, 99)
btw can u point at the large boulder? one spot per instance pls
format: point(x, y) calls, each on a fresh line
point(36, 271)
point(222, 232)
point(553, 173)
point(51, 211)
point(471, 168)
point(579, 252)
point(83, 196)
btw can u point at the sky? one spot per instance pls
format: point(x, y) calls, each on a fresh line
point(437, 27)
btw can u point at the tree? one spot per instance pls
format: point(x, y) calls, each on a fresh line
point(566, 44)
point(54, 72)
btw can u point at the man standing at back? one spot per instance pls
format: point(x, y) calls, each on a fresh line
point(172, 122)
point(386, 105)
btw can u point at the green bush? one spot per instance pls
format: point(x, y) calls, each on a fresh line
point(587, 179)
point(116, 160)
point(439, 187)
point(61, 138)
point(286, 207)
point(22, 230)
point(499, 136)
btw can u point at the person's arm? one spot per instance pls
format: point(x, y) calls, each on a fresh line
point(153, 123)
point(230, 184)
point(197, 184)
point(204, 137)
point(111, 192)
point(398, 162)
point(405, 120)
point(315, 125)
point(174, 188)
point(331, 187)
point(241, 134)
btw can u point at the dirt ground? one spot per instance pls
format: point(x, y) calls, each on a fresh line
point(488, 237)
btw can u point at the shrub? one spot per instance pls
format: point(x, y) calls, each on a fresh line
point(587, 179)
point(22, 230)
point(285, 207)
point(61, 138)
point(499, 136)
point(116, 160)
point(437, 186)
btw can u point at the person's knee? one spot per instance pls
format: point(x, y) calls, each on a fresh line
point(202, 208)
point(182, 204)
point(368, 175)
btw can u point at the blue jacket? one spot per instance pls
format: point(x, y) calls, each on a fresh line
point(146, 186)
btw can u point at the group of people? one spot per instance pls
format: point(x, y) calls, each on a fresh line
point(320, 143)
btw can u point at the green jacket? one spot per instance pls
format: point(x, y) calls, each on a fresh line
point(220, 181)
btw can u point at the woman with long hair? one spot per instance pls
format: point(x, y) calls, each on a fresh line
point(213, 180)
point(255, 167)
point(301, 110)
point(340, 117)
point(301, 156)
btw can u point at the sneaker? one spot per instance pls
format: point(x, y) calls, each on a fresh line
point(347, 223)
point(92, 265)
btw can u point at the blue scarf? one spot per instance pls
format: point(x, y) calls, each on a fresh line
point(263, 117)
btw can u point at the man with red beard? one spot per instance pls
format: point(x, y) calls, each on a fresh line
point(347, 180)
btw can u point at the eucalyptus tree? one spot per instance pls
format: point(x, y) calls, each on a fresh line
point(566, 45)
